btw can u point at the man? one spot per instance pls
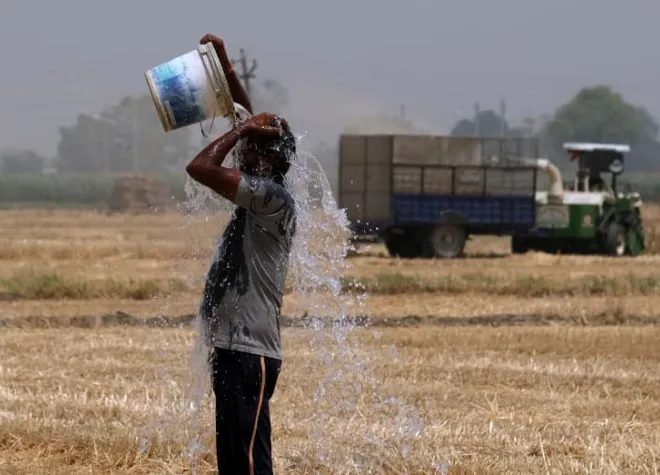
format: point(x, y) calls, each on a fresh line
point(596, 182)
point(245, 283)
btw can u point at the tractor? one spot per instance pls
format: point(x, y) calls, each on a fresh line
point(587, 215)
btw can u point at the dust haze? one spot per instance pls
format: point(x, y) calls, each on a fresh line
point(339, 62)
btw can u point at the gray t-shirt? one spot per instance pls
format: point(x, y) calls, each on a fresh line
point(245, 283)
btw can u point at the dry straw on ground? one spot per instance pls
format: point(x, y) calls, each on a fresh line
point(475, 400)
point(553, 399)
point(96, 260)
point(139, 193)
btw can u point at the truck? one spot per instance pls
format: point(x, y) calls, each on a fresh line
point(425, 195)
point(587, 215)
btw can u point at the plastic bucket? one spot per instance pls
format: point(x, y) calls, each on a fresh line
point(190, 89)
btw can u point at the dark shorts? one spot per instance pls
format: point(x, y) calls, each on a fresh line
point(243, 385)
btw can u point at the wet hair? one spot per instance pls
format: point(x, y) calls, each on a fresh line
point(283, 148)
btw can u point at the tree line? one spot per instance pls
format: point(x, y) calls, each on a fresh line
point(127, 136)
point(594, 114)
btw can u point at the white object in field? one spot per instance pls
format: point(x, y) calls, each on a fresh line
point(556, 190)
point(593, 198)
point(190, 89)
point(591, 147)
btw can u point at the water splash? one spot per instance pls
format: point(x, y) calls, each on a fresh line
point(318, 261)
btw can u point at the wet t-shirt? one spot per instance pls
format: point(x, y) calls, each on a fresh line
point(245, 283)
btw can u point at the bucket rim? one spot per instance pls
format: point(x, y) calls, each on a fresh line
point(162, 115)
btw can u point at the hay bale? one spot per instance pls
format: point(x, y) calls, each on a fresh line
point(138, 193)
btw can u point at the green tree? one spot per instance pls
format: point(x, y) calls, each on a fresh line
point(600, 114)
point(21, 161)
point(124, 137)
point(486, 124)
point(646, 150)
point(597, 114)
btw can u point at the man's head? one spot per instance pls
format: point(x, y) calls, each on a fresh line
point(268, 156)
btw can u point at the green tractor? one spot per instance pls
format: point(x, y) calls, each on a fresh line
point(588, 215)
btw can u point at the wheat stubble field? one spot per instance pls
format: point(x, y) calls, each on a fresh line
point(489, 364)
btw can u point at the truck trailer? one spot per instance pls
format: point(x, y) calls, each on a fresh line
point(423, 196)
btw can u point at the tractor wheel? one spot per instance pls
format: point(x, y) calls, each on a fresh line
point(635, 239)
point(447, 241)
point(519, 245)
point(615, 240)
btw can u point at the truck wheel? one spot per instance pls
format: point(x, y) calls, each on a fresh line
point(404, 246)
point(447, 241)
point(615, 241)
point(519, 245)
point(393, 245)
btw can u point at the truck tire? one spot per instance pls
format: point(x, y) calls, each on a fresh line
point(447, 241)
point(615, 240)
point(519, 245)
point(404, 245)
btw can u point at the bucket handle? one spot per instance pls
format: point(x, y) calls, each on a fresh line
point(219, 93)
point(201, 127)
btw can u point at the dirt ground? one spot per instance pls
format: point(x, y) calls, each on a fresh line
point(574, 393)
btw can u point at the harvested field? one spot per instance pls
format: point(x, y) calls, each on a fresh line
point(506, 364)
point(68, 263)
point(476, 400)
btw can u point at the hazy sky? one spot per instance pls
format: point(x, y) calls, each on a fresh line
point(338, 58)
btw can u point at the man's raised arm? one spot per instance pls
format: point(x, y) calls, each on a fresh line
point(206, 168)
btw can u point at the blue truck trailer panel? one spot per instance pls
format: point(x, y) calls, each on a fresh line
point(492, 210)
point(484, 215)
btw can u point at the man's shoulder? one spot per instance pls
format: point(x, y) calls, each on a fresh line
point(267, 188)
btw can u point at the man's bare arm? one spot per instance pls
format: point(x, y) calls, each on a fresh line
point(206, 168)
point(235, 87)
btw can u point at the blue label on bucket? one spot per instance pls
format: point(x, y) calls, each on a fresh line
point(165, 71)
point(176, 87)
